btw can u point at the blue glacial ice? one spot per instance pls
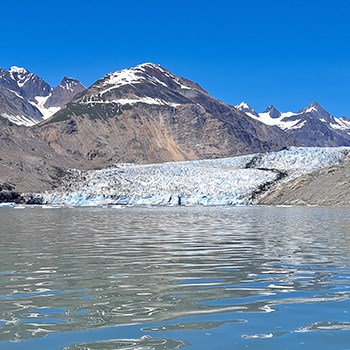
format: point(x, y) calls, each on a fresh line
point(228, 181)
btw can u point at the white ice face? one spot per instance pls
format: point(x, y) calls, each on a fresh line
point(229, 181)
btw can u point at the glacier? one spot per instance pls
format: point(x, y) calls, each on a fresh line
point(238, 180)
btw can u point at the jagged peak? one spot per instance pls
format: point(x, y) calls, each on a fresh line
point(273, 111)
point(18, 70)
point(22, 76)
point(149, 65)
point(245, 108)
point(19, 74)
point(68, 83)
point(315, 104)
point(271, 108)
point(313, 107)
point(69, 79)
point(243, 105)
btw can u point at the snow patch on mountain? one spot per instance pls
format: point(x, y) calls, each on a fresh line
point(136, 75)
point(20, 119)
point(341, 124)
point(282, 121)
point(20, 75)
point(17, 70)
point(313, 118)
point(68, 84)
point(229, 181)
point(272, 117)
point(244, 107)
point(40, 104)
point(39, 100)
point(132, 101)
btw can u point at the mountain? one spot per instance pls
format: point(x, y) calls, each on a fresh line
point(64, 93)
point(147, 114)
point(245, 108)
point(17, 109)
point(311, 126)
point(143, 114)
point(26, 99)
point(30, 85)
point(273, 112)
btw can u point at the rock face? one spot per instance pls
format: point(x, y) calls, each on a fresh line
point(17, 109)
point(30, 85)
point(26, 99)
point(64, 92)
point(273, 112)
point(311, 126)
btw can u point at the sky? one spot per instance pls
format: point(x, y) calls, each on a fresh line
point(287, 52)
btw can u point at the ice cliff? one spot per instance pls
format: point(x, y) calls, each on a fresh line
point(230, 181)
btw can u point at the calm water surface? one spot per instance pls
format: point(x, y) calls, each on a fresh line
point(172, 278)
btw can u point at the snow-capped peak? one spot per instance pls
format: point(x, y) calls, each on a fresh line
point(245, 108)
point(134, 75)
point(149, 65)
point(243, 105)
point(148, 73)
point(317, 111)
point(20, 75)
point(69, 83)
point(313, 107)
point(18, 70)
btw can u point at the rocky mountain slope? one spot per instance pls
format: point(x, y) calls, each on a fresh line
point(311, 126)
point(147, 114)
point(330, 186)
point(26, 99)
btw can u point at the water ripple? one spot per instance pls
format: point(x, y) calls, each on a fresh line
point(173, 270)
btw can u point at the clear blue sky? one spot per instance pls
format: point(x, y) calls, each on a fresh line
point(282, 52)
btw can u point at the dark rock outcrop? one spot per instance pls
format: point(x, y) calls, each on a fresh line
point(64, 92)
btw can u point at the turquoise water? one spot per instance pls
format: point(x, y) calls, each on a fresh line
point(172, 278)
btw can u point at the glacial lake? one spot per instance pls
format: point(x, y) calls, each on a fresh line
point(173, 278)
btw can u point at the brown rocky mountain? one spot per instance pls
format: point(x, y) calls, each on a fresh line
point(144, 114)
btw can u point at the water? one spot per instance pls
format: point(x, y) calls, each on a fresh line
point(172, 278)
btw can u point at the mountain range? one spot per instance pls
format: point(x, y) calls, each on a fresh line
point(144, 114)
point(26, 99)
point(311, 126)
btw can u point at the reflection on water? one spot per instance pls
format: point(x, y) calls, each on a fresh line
point(168, 278)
